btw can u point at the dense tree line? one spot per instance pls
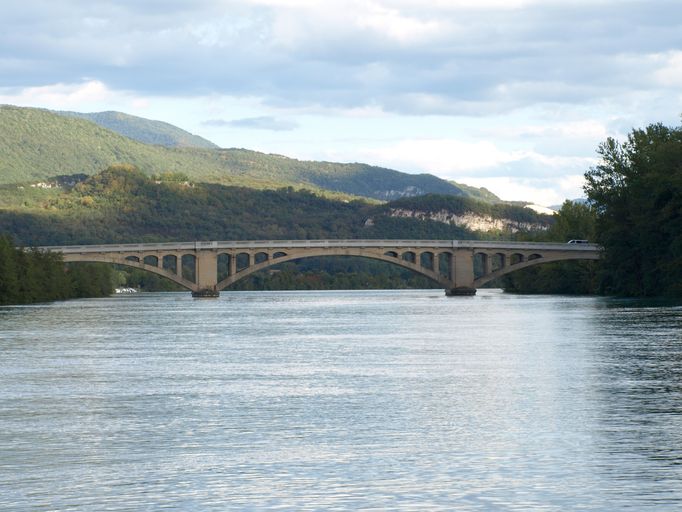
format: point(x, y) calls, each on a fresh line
point(574, 221)
point(634, 212)
point(636, 191)
point(29, 276)
point(121, 204)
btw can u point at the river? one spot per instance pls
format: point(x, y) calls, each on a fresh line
point(400, 400)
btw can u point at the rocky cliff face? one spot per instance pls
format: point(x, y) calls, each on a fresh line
point(470, 220)
point(390, 195)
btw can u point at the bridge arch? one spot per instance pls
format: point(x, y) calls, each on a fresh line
point(395, 260)
point(530, 261)
point(130, 261)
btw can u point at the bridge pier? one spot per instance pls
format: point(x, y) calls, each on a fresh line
point(206, 274)
point(462, 272)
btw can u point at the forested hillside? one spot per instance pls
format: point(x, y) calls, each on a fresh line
point(122, 204)
point(38, 145)
point(144, 130)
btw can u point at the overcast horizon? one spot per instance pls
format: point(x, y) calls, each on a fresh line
point(513, 95)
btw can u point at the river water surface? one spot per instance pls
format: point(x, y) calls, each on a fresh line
point(400, 400)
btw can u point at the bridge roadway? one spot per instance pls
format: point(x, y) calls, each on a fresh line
point(205, 268)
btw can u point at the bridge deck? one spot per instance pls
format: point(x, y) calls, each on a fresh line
point(310, 244)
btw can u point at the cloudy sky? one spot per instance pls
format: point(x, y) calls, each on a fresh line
point(513, 95)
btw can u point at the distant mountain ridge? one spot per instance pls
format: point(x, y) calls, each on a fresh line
point(37, 144)
point(144, 130)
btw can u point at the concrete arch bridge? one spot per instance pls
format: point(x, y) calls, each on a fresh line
point(205, 268)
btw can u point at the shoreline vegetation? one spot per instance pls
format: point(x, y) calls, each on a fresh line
point(30, 276)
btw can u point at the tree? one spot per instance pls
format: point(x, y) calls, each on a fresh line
point(573, 221)
point(9, 279)
point(28, 276)
point(637, 194)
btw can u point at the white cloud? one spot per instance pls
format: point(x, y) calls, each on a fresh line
point(62, 96)
point(670, 73)
point(394, 25)
point(255, 123)
point(588, 128)
point(539, 192)
point(440, 156)
point(511, 174)
point(452, 158)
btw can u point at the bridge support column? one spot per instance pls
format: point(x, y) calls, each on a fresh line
point(462, 272)
point(207, 274)
point(178, 265)
point(233, 264)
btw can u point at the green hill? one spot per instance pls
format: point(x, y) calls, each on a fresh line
point(121, 204)
point(36, 145)
point(144, 130)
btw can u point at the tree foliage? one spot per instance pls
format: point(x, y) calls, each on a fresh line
point(28, 276)
point(573, 221)
point(122, 204)
point(637, 193)
point(144, 130)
